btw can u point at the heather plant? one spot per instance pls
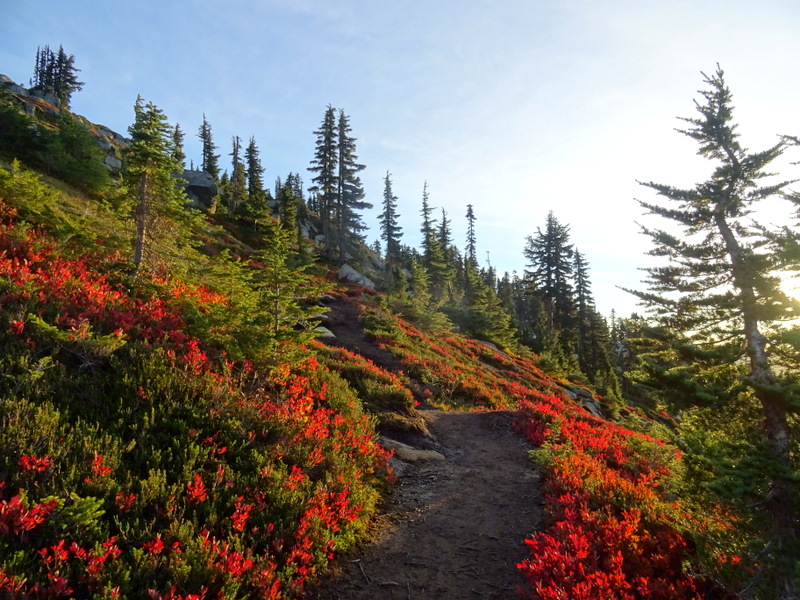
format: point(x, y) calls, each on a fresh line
point(139, 461)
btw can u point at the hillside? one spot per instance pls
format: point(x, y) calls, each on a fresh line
point(183, 430)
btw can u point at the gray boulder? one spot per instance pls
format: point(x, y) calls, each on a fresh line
point(200, 187)
point(18, 90)
point(409, 454)
point(593, 407)
point(323, 333)
point(113, 163)
point(348, 273)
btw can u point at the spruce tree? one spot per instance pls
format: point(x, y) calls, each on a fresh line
point(177, 146)
point(584, 308)
point(325, 181)
point(255, 173)
point(257, 205)
point(720, 307)
point(428, 229)
point(350, 192)
point(56, 74)
point(391, 232)
point(210, 162)
point(158, 198)
point(550, 262)
point(470, 251)
point(237, 188)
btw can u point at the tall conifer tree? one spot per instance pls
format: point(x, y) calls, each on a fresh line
point(324, 166)
point(159, 200)
point(210, 162)
point(719, 302)
point(350, 198)
point(177, 146)
point(237, 188)
point(391, 232)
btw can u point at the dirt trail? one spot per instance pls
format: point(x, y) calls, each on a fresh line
point(453, 529)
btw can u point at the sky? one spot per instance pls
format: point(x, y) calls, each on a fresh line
point(516, 107)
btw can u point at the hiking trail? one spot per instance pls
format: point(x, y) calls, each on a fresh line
point(453, 528)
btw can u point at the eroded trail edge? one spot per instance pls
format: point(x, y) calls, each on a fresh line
point(452, 528)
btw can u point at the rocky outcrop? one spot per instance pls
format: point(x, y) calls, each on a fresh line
point(35, 99)
point(200, 188)
point(585, 398)
point(348, 273)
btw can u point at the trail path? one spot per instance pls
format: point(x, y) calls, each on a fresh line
point(454, 526)
point(453, 529)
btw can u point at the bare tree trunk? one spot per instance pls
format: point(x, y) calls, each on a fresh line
point(781, 498)
point(142, 215)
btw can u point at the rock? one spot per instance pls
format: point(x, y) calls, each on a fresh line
point(348, 273)
point(6, 80)
point(580, 392)
point(46, 96)
point(409, 454)
point(113, 163)
point(377, 263)
point(18, 90)
point(104, 143)
point(327, 299)
point(593, 407)
point(200, 187)
point(493, 347)
point(572, 395)
point(323, 333)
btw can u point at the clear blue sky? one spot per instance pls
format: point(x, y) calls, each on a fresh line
point(518, 108)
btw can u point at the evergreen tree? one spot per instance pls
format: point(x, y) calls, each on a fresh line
point(295, 182)
point(257, 205)
point(255, 172)
point(350, 193)
point(210, 162)
point(720, 307)
point(287, 206)
point(56, 73)
point(237, 188)
point(325, 181)
point(391, 232)
point(549, 254)
point(159, 199)
point(281, 285)
point(445, 236)
point(470, 251)
point(428, 229)
point(584, 307)
point(177, 145)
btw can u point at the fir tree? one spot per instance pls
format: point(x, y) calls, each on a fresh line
point(287, 207)
point(177, 146)
point(549, 254)
point(391, 232)
point(324, 166)
point(56, 74)
point(257, 205)
point(158, 198)
point(255, 172)
point(210, 162)
point(720, 306)
point(428, 229)
point(350, 193)
point(470, 251)
point(237, 188)
point(281, 284)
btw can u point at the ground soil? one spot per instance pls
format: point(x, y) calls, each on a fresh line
point(451, 529)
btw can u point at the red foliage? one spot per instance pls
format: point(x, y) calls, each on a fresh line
point(613, 535)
